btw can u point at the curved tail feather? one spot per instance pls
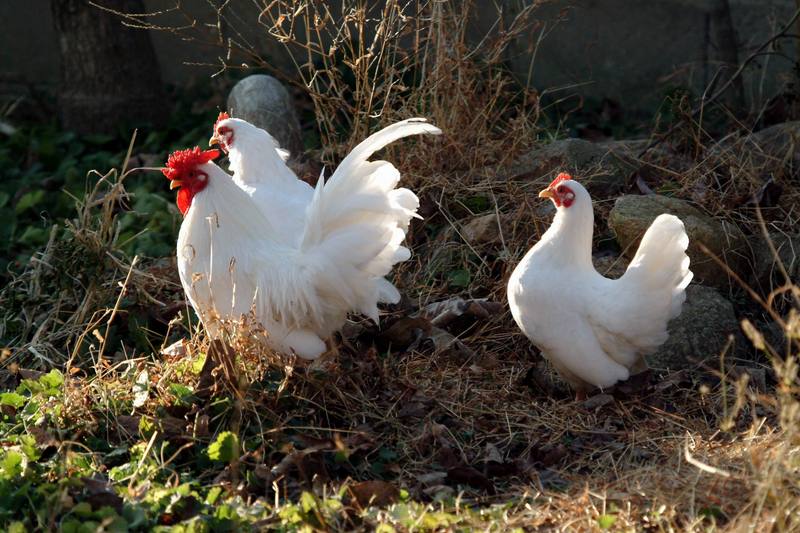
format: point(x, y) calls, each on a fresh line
point(357, 220)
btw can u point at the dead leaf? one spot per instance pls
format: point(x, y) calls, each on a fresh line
point(492, 454)
point(636, 384)
point(129, 425)
point(550, 455)
point(444, 342)
point(219, 370)
point(24, 373)
point(373, 493)
point(439, 492)
point(176, 349)
point(100, 493)
point(467, 475)
point(597, 401)
point(43, 437)
point(445, 312)
point(447, 457)
point(141, 389)
point(643, 187)
point(432, 478)
point(406, 331)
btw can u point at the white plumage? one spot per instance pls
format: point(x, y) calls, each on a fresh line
point(299, 257)
point(596, 330)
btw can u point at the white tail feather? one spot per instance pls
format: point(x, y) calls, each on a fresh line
point(357, 220)
point(658, 275)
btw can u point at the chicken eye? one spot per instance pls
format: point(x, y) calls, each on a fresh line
point(560, 189)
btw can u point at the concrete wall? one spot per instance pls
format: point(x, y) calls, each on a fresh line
point(627, 50)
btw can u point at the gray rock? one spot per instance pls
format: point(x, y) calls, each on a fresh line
point(775, 336)
point(770, 150)
point(775, 141)
point(632, 215)
point(264, 101)
point(484, 229)
point(699, 333)
point(610, 265)
point(767, 273)
point(602, 170)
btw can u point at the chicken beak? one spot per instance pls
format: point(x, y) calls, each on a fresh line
point(174, 184)
point(547, 193)
point(213, 140)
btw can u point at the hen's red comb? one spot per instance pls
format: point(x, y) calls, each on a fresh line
point(561, 177)
point(182, 161)
point(222, 116)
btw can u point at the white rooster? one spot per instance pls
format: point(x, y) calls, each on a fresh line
point(303, 271)
point(594, 330)
point(259, 167)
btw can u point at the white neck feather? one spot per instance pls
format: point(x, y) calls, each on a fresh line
point(570, 236)
point(254, 158)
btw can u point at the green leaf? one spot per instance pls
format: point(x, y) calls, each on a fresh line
point(213, 494)
point(458, 278)
point(308, 502)
point(12, 464)
point(198, 364)
point(82, 509)
point(16, 527)
point(477, 204)
point(29, 200)
point(225, 448)
point(13, 399)
point(4, 198)
point(605, 521)
point(33, 236)
point(184, 394)
point(52, 380)
point(30, 447)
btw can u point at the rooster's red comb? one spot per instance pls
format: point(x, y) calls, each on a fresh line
point(561, 177)
point(222, 116)
point(181, 161)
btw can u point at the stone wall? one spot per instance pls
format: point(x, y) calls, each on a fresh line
point(631, 51)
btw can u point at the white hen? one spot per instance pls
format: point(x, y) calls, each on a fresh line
point(300, 278)
point(596, 330)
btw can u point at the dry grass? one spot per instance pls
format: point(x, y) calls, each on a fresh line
point(484, 430)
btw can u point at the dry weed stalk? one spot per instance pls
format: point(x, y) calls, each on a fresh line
point(61, 306)
point(366, 64)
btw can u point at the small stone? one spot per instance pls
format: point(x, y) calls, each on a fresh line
point(701, 331)
point(482, 230)
point(632, 215)
point(263, 101)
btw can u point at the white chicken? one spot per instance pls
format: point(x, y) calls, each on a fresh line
point(259, 168)
point(301, 272)
point(594, 330)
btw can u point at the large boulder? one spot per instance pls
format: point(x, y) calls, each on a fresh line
point(699, 333)
point(632, 215)
point(264, 101)
point(775, 141)
point(767, 273)
point(602, 169)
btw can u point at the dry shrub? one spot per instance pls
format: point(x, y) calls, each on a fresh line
point(61, 306)
point(366, 64)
